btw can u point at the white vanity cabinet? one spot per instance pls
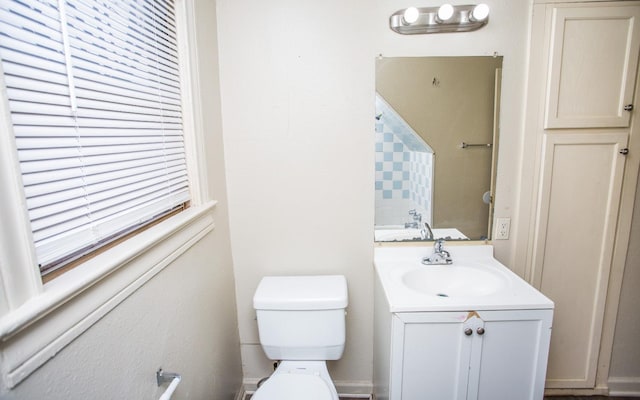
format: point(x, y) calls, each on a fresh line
point(471, 330)
point(459, 355)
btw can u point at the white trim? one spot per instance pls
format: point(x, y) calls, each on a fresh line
point(191, 95)
point(17, 282)
point(104, 281)
point(70, 284)
point(597, 391)
point(624, 386)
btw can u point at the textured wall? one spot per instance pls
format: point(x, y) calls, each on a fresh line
point(181, 320)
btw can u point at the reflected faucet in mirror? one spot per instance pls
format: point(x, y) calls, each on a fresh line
point(417, 219)
point(425, 229)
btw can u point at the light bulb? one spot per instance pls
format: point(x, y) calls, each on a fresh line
point(445, 12)
point(480, 12)
point(410, 15)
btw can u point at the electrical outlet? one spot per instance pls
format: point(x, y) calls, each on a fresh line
point(502, 228)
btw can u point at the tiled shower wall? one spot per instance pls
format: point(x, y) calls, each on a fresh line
point(403, 178)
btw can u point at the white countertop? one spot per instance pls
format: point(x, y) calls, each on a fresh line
point(391, 263)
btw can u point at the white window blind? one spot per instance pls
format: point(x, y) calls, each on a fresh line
point(93, 90)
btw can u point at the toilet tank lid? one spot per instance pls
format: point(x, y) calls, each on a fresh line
point(317, 292)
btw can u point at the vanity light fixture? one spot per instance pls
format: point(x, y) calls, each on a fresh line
point(445, 12)
point(479, 13)
point(446, 18)
point(410, 15)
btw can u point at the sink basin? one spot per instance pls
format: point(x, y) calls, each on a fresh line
point(454, 281)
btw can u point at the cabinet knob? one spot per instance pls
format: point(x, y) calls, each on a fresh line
point(468, 331)
point(480, 331)
point(628, 107)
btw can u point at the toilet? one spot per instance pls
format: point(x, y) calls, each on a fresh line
point(301, 323)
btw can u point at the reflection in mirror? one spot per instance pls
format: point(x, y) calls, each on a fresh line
point(436, 147)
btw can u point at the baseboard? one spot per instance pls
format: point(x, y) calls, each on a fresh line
point(240, 394)
point(624, 386)
point(599, 391)
point(354, 389)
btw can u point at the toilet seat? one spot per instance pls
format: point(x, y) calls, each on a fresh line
point(295, 380)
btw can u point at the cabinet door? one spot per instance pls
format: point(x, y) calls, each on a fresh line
point(431, 355)
point(511, 362)
point(578, 209)
point(592, 65)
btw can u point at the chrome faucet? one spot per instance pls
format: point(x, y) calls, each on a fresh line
point(440, 256)
point(417, 218)
point(426, 232)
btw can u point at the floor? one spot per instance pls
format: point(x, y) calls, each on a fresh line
point(588, 398)
point(248, 396)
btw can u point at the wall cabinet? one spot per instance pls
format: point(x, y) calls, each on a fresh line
point(458, 355)
point(579, 123)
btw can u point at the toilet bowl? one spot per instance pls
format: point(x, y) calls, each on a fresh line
point(295, 380)
point(301, 323)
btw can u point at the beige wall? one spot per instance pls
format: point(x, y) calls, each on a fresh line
point(298, 107)
point(183, 319)
point(447, 101)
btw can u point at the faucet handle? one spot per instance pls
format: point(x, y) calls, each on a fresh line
point(412, 212)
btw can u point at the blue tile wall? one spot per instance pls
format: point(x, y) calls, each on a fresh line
point(403, 170)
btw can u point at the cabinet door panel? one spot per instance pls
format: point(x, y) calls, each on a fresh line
point(593, 60)
point(581, 186)
point(433, 357)
point(514, 354)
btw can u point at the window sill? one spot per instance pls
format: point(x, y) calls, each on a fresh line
point(33, 333)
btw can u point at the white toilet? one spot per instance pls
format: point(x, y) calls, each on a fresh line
point(301, 321)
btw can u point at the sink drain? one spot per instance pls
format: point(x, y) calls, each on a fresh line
point(442, 295)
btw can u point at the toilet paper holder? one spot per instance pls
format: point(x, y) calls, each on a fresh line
point(163, 377)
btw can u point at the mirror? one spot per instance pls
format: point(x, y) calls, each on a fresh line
point(436, 147)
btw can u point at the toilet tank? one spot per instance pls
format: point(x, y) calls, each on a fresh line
point(302, 317)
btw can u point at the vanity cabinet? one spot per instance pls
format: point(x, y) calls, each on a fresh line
point(458, 355)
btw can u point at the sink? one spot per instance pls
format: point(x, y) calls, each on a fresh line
point(475, 281)
point(454, 280)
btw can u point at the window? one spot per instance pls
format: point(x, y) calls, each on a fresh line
point(31, 332)
point(94, 94)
